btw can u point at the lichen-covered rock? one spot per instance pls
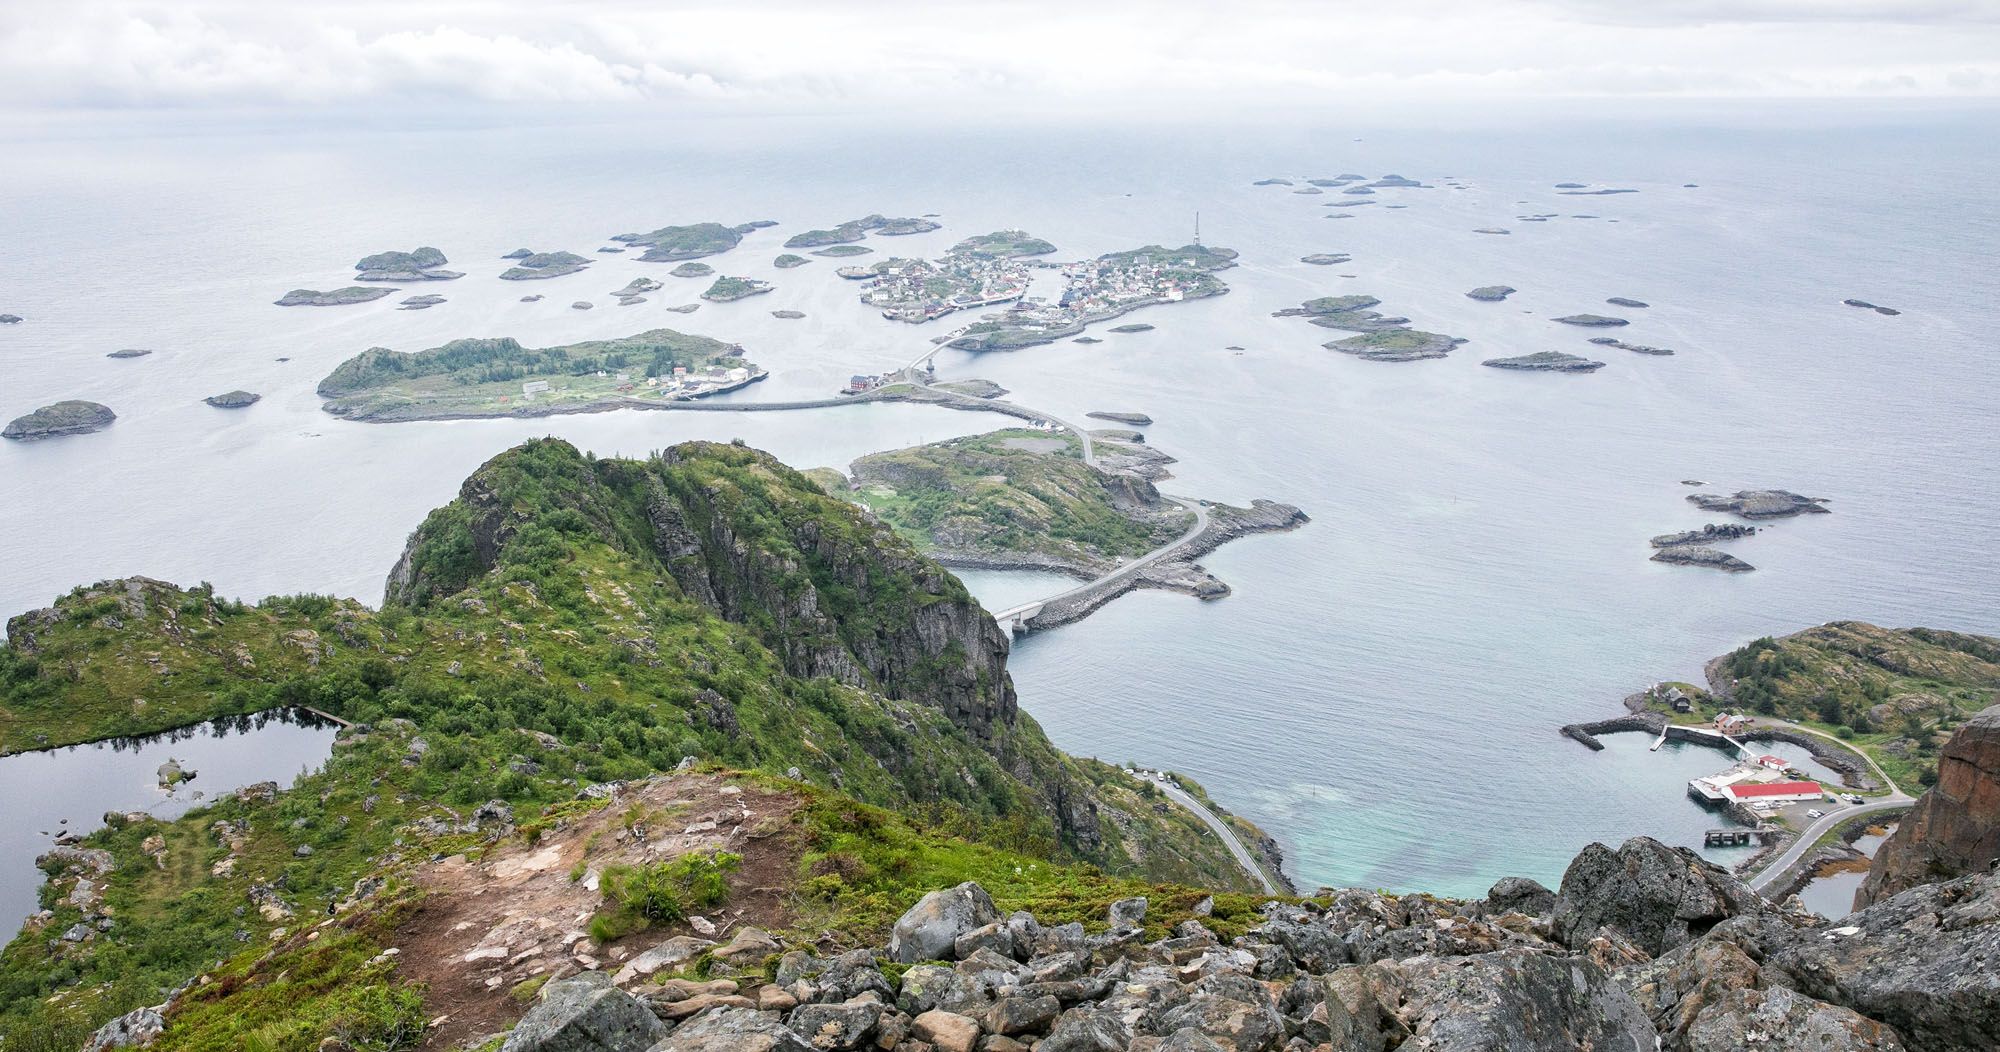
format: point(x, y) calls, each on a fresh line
point(1955, 827)
point(930, 930)
point(1655, 896)
point(1520, 895)
point(135, 1029)
point(1515, 1000)
point(729, 1030)
point(1782, 1020)
point(585, 1014)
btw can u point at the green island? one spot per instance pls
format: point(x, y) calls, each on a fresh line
point(788, 260)
point(856, 229)
point(1893, 694)
point(500, 377)
point(1013, 497)
point(537, 265)
point(727, 289)
point(669, 244)
point(1003, 244)
point(573, 652)
point(333, 298)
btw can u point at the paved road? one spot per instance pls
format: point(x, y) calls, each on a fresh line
point(1784, 862)
point(1126, 569)
point(1243, 856)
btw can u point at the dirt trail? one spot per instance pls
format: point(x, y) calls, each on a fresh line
point(524, 910)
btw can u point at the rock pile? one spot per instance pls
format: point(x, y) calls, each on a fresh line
point(1643, 947)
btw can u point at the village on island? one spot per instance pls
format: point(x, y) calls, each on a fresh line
point(682, 384)
point(1756, 789)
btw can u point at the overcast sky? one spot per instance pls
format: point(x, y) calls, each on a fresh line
point(925, 55)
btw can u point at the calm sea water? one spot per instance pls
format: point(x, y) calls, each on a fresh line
point(1382, 690)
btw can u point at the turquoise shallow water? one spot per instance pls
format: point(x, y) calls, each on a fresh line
point(1382, 689)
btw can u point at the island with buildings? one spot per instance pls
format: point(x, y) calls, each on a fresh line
point(1100, 289)
point(499, 377)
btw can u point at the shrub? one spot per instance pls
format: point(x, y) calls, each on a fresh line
point(661, 893)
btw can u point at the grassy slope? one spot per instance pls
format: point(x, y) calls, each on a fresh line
point(576, 634)
point(977, 494)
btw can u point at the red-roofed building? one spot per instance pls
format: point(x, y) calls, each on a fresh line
point(1773, 792)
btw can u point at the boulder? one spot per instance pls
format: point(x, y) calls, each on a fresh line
point(1128, 913)
point(135, 1029)
point(747, 948)
point(728, 1030)
point(930, 930)
point(1520, 895)
point(668, 955)
point(842, 1026)
point(1514, 1000)
point(947, 1031)
point(1921, 961)
point(1955, 827)
point(1782, 1020)
point(1022, 1015)
point(1655, 896)
point(585, 1014)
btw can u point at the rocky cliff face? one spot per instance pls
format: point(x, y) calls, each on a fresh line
point(1955, 827)
point(744, 535)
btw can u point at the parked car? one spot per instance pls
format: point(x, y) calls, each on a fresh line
point(1815, 813)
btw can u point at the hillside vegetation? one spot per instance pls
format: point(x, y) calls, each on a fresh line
point(567, 624)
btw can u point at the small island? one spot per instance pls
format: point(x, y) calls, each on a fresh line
point(1597, 193)
point(10, 319)
point(334, 298)
point(788, 315)
point(1272, 182)
point(1635, 348)
point(788, 260)
point(420, 302)
point(1709, 534)
point(238, 399)
point(519, 253)
point(1545, 362)
point(1137, 326)
point(1003, 244)
point(582, 305)
point(538, 265)
point(1396, 345)
point(692, 270)
point(1761, 503)
point(500, 378)
point(1863, 304)
point(1026, 498)
point(1491, 293)
point(128, 353)
point(727, 289)
point(424, 264)
point(73, 417)
point(856, 229)
point(842, 251)
point(1627, 301)
point(671, 244)
point(1134, 419)
point(1492, 230)
point(1591, 321)
point(1697, 555)
point(1326, 259)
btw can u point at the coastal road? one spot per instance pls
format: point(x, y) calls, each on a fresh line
point(1243, 856)
point(1783, 863)
point(1126, 569)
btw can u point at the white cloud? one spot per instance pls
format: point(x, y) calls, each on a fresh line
point(964, 56)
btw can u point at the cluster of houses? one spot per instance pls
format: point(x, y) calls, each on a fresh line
point(916, 290)
point(681, 383)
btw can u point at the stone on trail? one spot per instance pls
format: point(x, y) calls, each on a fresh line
point(930, 930)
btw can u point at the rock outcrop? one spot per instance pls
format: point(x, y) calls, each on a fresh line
point(1654, 896)
point(1955, 827)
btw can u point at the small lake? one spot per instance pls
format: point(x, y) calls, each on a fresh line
point(70, 789)
point(1832, 896)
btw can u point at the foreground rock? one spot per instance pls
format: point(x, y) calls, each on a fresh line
point(1546, 362)
point(1647, 894)
point(1761, 503)
point(1955, 827)
point(238, 399)
point(63, 418)
point(585, 1014)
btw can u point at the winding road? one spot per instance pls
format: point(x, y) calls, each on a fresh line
point(1243, 856)
point(1896, 800)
